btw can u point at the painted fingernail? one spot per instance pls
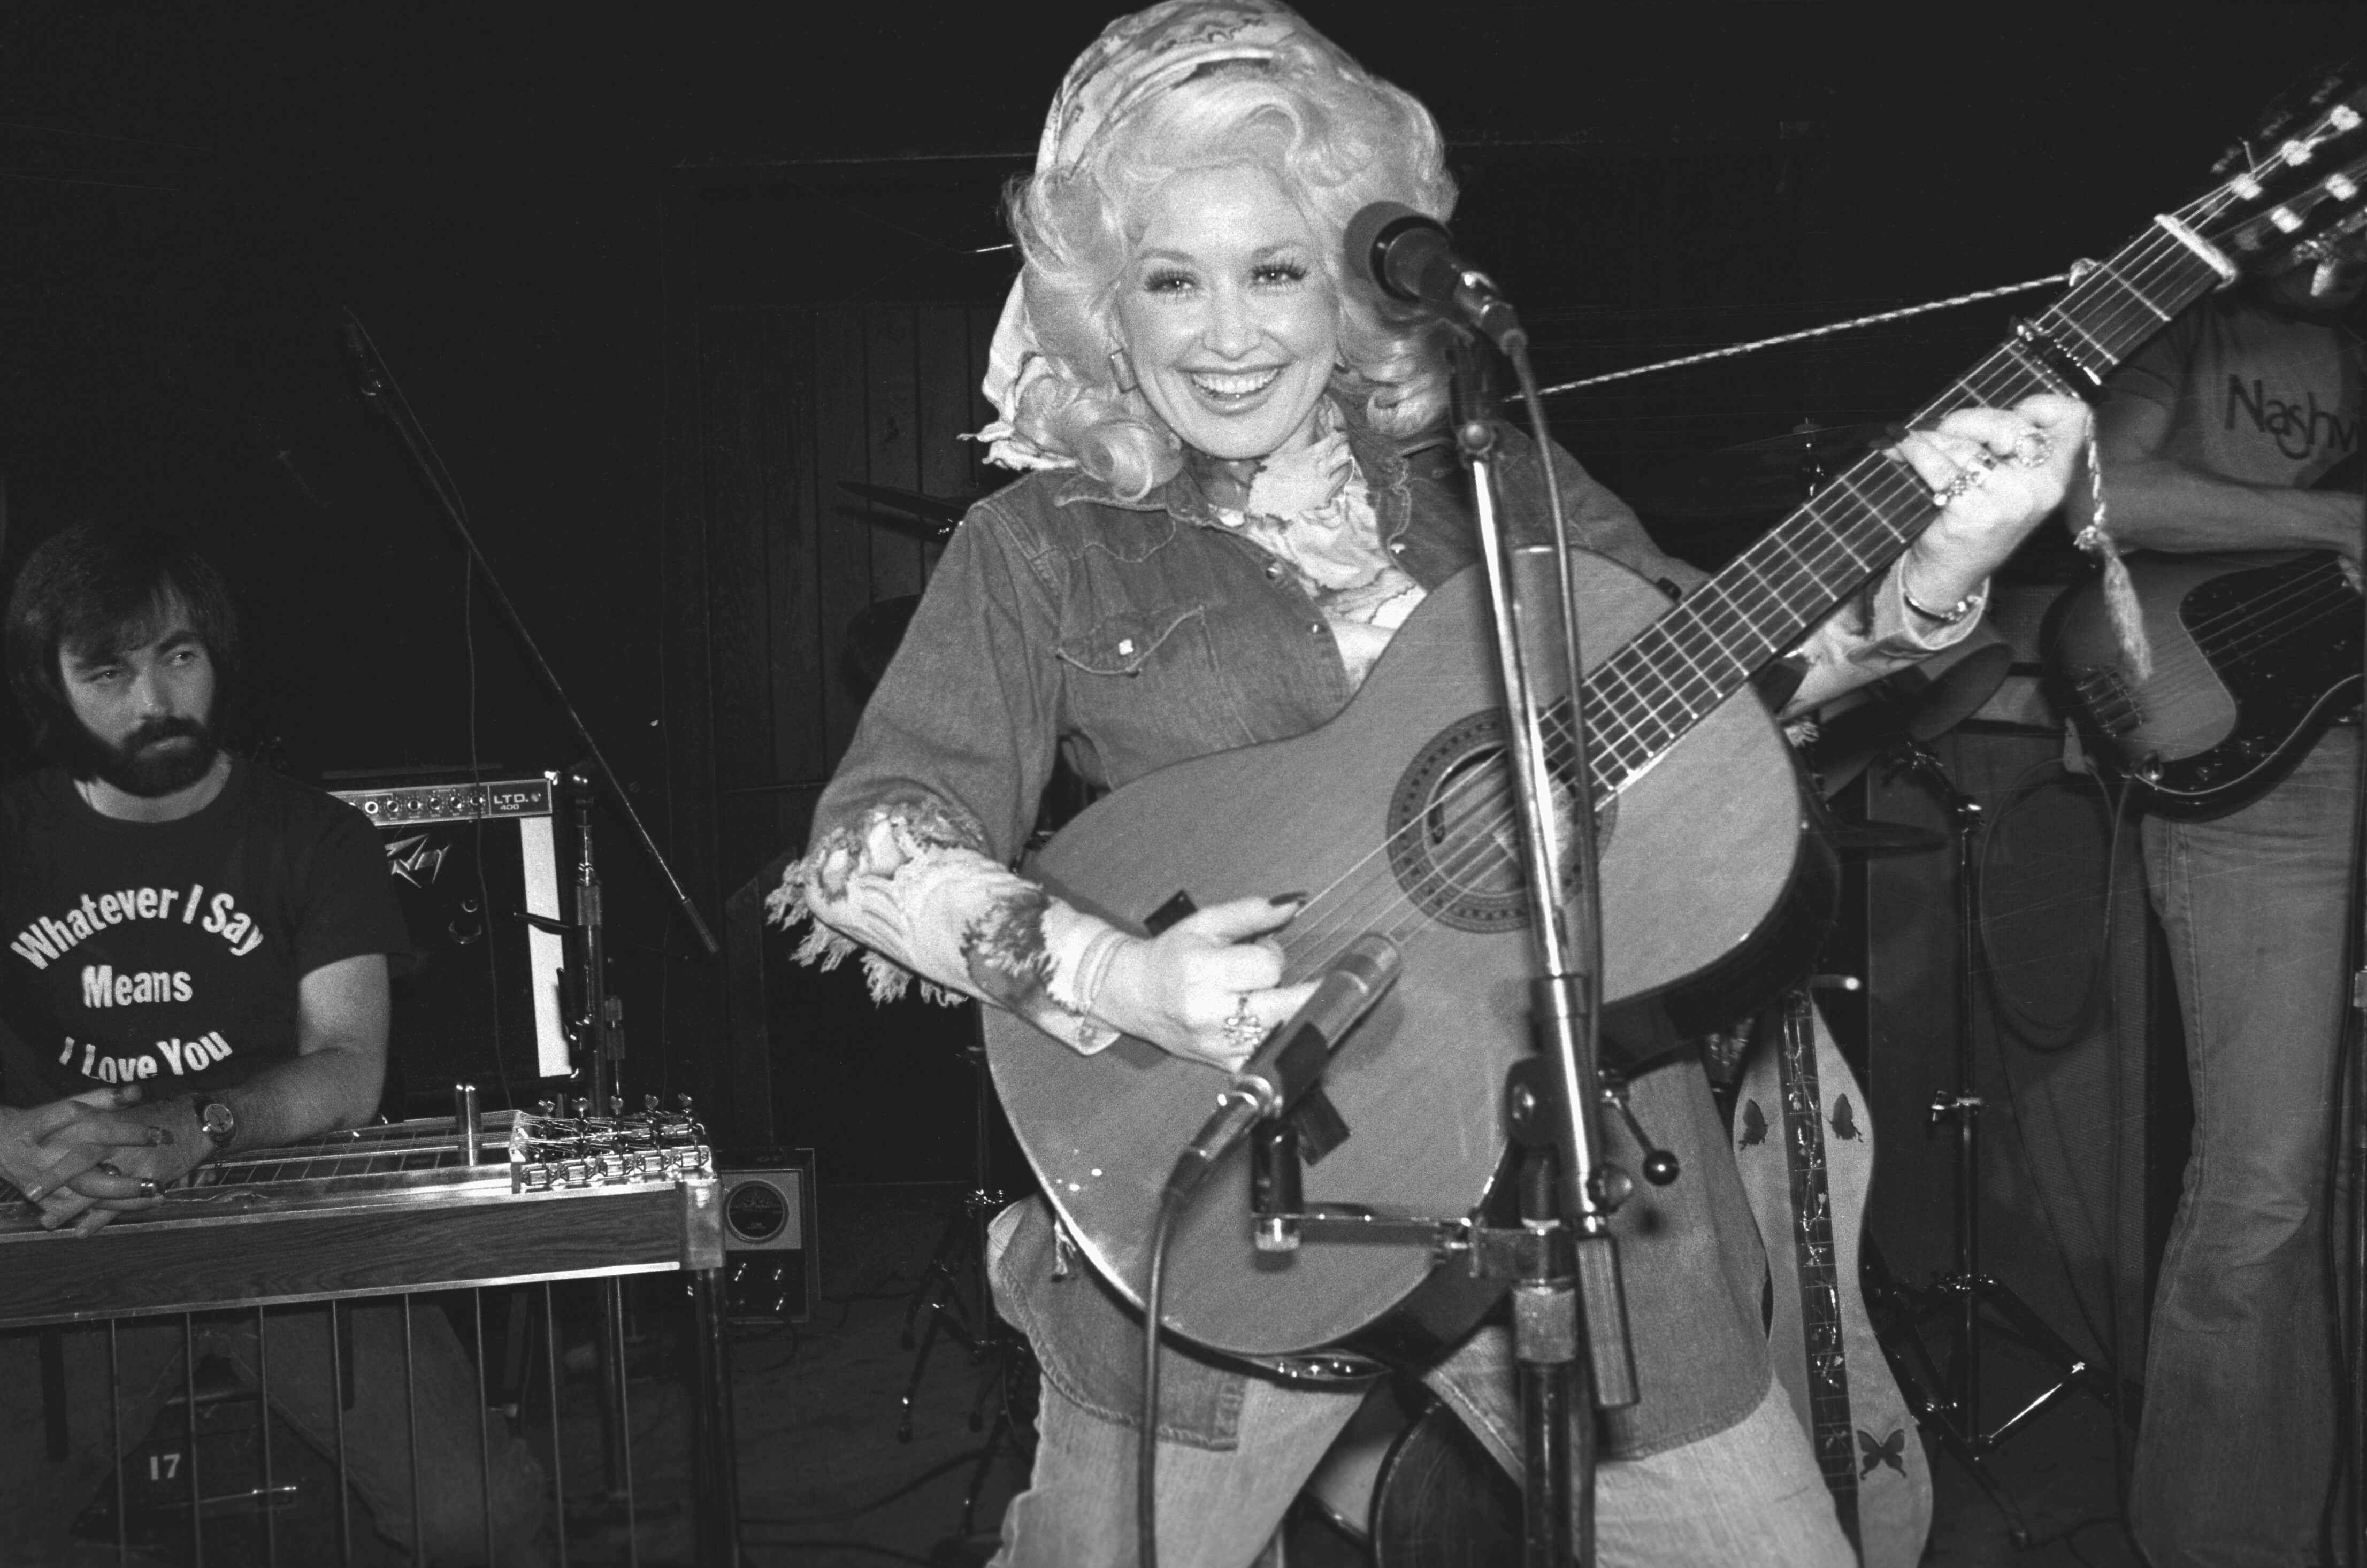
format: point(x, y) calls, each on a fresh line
point(1279, 900)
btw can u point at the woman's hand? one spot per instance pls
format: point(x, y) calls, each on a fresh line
point(2001, 472)
point(1205, 989)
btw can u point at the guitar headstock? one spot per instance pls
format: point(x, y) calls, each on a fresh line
point(2293, 192)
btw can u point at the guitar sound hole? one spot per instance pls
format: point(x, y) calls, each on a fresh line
point(1454, 830)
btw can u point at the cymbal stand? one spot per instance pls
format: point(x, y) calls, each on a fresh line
point(1946, 1396)
point(958, 1304)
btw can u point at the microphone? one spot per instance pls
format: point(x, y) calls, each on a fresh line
point(1411, 257)
point(1292, 1058)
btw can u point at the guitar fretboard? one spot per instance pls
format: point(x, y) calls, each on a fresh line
point(1667, 679)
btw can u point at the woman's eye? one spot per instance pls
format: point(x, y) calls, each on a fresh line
point(1282, 272)
point(1166, 282)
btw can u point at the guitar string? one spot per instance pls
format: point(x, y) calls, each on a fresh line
point(2301, 595)
point(1892, 487)
point(1986, 383)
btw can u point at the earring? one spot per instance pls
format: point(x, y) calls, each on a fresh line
point(1122, 371)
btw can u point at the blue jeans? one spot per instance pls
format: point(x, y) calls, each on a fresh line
point(1748, 1496)
point(40, 1499)
point(1747, 1492)
point(2236, 1448)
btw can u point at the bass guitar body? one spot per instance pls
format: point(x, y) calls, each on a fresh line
point(1397, 816)
point(1804, 1146)
point(2254, 655)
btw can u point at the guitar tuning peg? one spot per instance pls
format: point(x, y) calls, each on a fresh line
point(616, 1105)
point(684, 1102)
point(545, 1108)
point(649, 1104)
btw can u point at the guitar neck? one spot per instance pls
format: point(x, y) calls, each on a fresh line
point(1654, 690)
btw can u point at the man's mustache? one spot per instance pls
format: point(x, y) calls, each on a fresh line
point(150, 731)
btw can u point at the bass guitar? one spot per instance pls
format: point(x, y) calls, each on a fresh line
point(1396, 813)
point(2254, 655)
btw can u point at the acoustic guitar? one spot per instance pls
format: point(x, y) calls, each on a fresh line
point(1396, 812)
point(1805, 1148)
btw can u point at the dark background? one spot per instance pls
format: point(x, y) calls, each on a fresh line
point(654, 277)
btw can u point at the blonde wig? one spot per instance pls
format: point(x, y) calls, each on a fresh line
point(1333, 138)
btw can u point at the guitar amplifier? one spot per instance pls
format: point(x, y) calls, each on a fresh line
point(771, 1267)
point(479, 1003)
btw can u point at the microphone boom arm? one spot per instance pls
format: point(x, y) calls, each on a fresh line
point(379, 387)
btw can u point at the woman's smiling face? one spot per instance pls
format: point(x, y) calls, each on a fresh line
point(1227, 314)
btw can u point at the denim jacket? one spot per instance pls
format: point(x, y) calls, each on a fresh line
point(1130, 635)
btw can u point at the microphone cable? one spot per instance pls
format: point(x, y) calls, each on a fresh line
point(1146, 1453)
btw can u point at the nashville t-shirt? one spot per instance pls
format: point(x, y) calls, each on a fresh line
point(167, 953)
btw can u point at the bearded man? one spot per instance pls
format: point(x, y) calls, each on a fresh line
point(195, 964)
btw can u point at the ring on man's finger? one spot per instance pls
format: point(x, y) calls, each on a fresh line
point(1243, 1031)
point(148, 1187)
point(2032, 449)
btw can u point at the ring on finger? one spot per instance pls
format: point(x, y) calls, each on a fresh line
point(148, 1186)
point(1243, 1031)
point(1966, 481)
point(2032, 449)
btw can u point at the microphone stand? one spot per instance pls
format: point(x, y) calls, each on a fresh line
point(378, 386)
point(1571, 1337)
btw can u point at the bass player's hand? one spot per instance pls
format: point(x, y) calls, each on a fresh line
point(1206, 987)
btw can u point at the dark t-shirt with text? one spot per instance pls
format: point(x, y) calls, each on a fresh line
point(169, 954)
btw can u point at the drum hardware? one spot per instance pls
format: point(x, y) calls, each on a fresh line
point(929, 518)
point(1409, 1484)
point(958, 1300)
point(1768, 475)
point(1945, 1393)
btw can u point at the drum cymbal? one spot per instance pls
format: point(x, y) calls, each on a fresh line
point(1879, 838)
point(1775, 473)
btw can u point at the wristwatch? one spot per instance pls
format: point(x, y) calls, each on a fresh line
point(216, 1120)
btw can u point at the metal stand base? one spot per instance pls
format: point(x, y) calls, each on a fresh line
point(1945, 1396)
point(953, 1292)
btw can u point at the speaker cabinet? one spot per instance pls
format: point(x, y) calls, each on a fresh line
point(771, 1267)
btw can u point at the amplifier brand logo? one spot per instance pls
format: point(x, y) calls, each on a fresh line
point(50, 938)
point(103, 988)
point(412, 860)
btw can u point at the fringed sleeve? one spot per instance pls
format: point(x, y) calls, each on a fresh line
point(909, 886)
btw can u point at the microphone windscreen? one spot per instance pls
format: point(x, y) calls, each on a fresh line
point(1366, 233)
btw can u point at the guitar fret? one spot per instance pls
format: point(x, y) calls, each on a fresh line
point(2109, 274)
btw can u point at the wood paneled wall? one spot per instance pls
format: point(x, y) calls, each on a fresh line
point(796, 400)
